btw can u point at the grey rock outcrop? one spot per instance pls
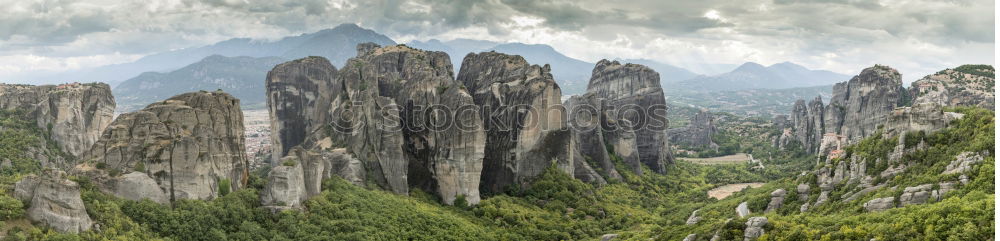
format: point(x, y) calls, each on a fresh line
point(962, 163)
point(609, 237)
point(522, 112)
point(777, 199)
point(694, 218)
point(636, 108)
point(585, 121)
point(880, 204)
point(54, 201)
point(742, 210)
point(298, 98)
point(691, 237)
point(698, 132)
point(285, 185)
point(803, 190)
point(868, 98)
point(394, 119)
point(74, 114)
point(136, 186)
point(858, 107)
point(755, 228)
point(917, 195)
point(188, 144)
point(922, 116)
point(300, 174)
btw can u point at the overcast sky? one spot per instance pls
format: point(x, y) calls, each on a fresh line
point(915, 36)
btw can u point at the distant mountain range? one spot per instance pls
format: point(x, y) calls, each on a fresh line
point(336, 44)
point(242, 77)
point(751, 75)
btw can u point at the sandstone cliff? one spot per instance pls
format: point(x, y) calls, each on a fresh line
point(74, 114)
point(191, 145)
point(635, 107)
point(394, 122)
point(525, 123)
point(298, 97)
point(54, 201)
point(858, 107)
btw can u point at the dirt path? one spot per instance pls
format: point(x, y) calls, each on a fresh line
point(727, 190)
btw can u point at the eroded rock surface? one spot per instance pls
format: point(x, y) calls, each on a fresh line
point(522, 112)
point(777, 199)
point(75, 114)
point(698, 132)
point(188, 144)
point(54, 201)
point(880, 204)
point(742, 210)
point(858, 107)
point(298, 97)
point(635, 108)
point(285, 185)
point(392, 122)
point(585, 121)
point(755, 228)
point(962, 163)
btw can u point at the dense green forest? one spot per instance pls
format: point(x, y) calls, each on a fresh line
point(555, 206)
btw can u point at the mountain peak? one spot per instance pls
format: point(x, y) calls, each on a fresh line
point(346, 26)
point(749, 66)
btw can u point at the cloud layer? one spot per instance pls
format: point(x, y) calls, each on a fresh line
point(916, 36)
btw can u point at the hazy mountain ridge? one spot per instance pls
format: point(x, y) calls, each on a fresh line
point(336, 44)
point(752, 75)
point(242, 77)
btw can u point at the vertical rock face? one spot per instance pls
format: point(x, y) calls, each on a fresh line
point(922, 116)
point(75, 114)
point(54, 201)
point(525, 125)
point(633, 94)
point(298, 96)
point(443, 137)
point(858, 107)
point(188, 144)
point(395, 119)
point(698, 132)
point(585, 117)
point(285, 185)
point(868, 99)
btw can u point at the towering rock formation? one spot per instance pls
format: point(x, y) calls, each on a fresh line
point(698, 132)
point(298, 97)
point(191, 145)
point(586, 115)
point(858, 107)
point(868, 99)
point(54, 201)
point(966, 85)
point(74, 114)
point(635, 114)
point(525, 123)
point(398, 113)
